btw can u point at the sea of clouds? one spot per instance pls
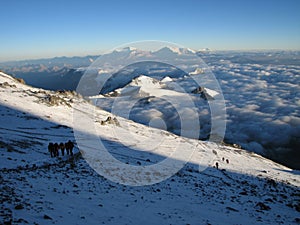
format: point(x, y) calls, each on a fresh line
point(263, 107)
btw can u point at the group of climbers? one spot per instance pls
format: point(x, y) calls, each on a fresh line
point(54, 148)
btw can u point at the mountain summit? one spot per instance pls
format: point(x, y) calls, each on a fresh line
point(167, 51)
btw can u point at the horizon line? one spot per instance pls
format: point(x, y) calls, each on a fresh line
point(105, 52)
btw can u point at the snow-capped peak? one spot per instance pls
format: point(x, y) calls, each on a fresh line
point(166, 79)
point(139, 85)
point(143, 80)
point(126, 49)
point(175, 50)
point(205, 50)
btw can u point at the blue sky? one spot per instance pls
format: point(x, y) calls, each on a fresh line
point(37, 28)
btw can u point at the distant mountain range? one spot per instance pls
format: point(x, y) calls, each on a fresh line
point(49, 72)
point(65, 72)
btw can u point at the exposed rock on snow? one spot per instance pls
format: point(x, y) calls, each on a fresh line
point(197, 71)
point(205, 93)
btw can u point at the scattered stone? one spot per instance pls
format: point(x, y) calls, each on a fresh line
point(262, 206)
point(22, 221)
point(20, 80)
point(46, 217)
point(217, 165)
point(297, 207)
point(190, 170)
point(271, 182)
point(55, 100)
point(9, 222)
point(19, 206)
point(269, 200)
point(232, 209)
point(110, 120)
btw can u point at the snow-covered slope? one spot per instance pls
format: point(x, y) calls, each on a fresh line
point(37, 189)
point(162, 104)
point(142, 84)
point(147, 86)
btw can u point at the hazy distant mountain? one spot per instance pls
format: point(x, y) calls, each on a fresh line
point(65, 72)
